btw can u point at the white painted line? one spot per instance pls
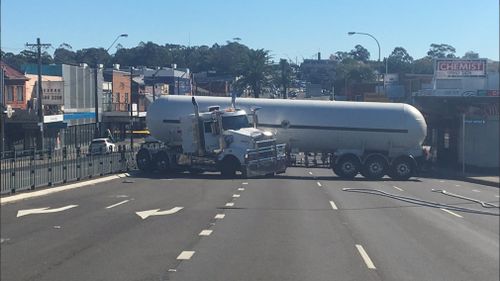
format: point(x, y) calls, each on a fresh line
point(127, 174)
point(117, 204)
point(48, 191)
point(241, 189)
point(457, 185)
point(236, 195)
point(121, 196)
point(245, 183)
point(497, 196)
point(172, 270)
point(205, 232)
point(400, 189)
point(219, 216)
point(318, 183)
point(475, 190)
point(333, 205)
point(310, 173)
point(185, 255)
point(156, 212)
point(365, 257)
point(229, 204)
point(451, 213)
point(441, 181)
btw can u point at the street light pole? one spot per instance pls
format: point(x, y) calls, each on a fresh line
point(97, 130)
point(368, 34)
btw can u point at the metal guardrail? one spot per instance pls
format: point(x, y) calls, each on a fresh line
point(22, 170)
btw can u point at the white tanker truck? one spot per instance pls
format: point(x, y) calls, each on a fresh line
point(373, 139)
point(211, 140)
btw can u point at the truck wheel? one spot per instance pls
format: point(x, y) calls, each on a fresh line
point(143, 160)
point(402, 168)
point(229, 166)
point(348, 167)
point(375, 167)
point(161, 162)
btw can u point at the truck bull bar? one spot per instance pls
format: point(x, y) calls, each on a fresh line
point(265, 160)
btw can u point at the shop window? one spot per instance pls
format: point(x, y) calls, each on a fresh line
point(10, 93)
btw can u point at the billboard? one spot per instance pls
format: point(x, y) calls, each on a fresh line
point(53, 92)
point(456, 68)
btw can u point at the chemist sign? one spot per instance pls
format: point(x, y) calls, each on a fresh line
point(456, 68)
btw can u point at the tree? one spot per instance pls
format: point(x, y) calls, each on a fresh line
point(471, 55)
point(424, 65)
point(65, 54)
point(254, 71)
point(399, 61)
point(92, 56)
point(441, 51)
point(359, 53)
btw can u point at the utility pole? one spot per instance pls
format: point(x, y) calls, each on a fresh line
point(97, 129)
point(283, 64)
point(2, 104)
point(39, 46)
point(131, 111)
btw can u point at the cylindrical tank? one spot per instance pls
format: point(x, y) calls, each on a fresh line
point(313, 126)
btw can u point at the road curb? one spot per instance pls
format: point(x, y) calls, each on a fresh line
point(28, 195)
point(480, 181)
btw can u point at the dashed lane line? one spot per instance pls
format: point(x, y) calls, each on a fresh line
point(241, 189)
point(475, 190)
point(400, 189)
point(451, 213)
point(244, 183)
point(333, 205)
point(319, 184)
point(310, 173)
point(219, 216)
point(117, 204)
point(365, 257)
point(229, 204)
point(185, 255)
point(236, 195)
point(205, 232)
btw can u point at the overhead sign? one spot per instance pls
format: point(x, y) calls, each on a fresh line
point(455, 68)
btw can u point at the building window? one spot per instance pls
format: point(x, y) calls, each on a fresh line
point(126, 98)
point(10, 93)
point(20, 94)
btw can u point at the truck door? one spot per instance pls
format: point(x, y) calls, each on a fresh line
point(210, 135)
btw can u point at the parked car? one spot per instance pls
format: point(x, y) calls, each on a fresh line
point(101, 146)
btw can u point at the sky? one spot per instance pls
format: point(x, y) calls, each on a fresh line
point(292, 29)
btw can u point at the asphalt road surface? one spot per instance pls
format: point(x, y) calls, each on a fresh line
point(303, 225)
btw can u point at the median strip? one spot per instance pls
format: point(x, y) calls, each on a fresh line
point(23, 196)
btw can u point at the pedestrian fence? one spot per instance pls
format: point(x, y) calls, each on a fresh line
point(31, 169)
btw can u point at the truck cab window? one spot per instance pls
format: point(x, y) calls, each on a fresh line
point(235, 122)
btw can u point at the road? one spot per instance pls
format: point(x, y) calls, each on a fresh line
point(304, 225)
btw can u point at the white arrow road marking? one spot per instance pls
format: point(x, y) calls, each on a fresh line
point(45, 210)
point(156, 212)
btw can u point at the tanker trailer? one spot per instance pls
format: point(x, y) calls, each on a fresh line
point(370, 138)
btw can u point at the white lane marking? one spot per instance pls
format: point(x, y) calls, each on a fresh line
point(127, 174)
point(451, 213)
point(497, 196)
point(457, 185)
point(318, 183)
point(23, 196)
point(236, 195)
point(185, 255)
point(333, 205)
point(172, 270)
point(121, 196)
point(241, 189)
point(205, 232)
point(365, 257)
point(219, 216)
point(310, 173)
point(156, 212)
point(400, 189)
point(441, 181)
point(229, 204)
point(245, 183)
point(475, 190)
point(44, 210)
point(117, 204)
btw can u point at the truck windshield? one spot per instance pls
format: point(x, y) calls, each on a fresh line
point(235, 122)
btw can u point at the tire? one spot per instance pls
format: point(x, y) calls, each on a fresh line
point(375, 167)
point(161, 162)
point(348, 167)
point(402, 168)
point(144, 161)
point(229, 166)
